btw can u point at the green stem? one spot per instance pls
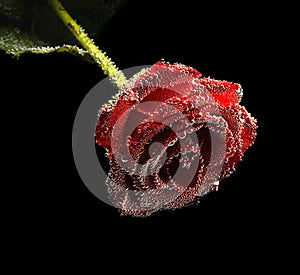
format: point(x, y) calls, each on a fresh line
point(109, 68)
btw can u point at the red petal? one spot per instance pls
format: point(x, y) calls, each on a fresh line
point(241, 133)
point(224, 92)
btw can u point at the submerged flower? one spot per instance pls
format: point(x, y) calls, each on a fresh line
point(171, 136)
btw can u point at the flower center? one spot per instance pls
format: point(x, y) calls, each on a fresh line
point(155, 150)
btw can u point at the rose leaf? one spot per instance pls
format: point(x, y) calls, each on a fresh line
point(32, 26)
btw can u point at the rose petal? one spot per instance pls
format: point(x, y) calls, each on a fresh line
point(224, 92)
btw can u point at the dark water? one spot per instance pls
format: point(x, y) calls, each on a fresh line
point(216, 39)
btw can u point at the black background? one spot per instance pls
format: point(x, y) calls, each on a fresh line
point(221, 40)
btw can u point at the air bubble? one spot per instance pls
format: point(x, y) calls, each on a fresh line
point(128, 140)
point(183, 136)
point(123, 159)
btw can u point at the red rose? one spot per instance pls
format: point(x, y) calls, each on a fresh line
point(170, 136)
